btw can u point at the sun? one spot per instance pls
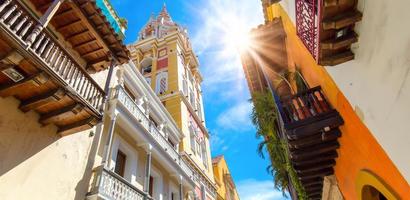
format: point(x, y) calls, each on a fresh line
point(236, 37)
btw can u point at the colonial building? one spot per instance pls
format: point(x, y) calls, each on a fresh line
point(138, 156)
point(338, 73)
point(164, 56)
point(54, 60)
point(223, 178)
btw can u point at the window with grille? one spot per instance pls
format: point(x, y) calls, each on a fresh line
point(203, 195)
point(198, 149)
point(162, 83)
point(204, 154)
point(198, 107)
point(192, 138)
point(185, 87)
point(192, 98)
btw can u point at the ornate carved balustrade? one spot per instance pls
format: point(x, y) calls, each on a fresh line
point(304, 108)
point(307, 23)
point(152, 130)
point(326, 28)
point(110, 186)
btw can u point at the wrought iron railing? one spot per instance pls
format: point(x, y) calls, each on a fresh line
point(110, 186)
point(150, 127)
point(308, 23)
point(51, 56)
point(304, 106)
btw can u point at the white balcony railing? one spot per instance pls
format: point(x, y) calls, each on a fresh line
point(150, 127)
point(110, 186)
point(19, 23)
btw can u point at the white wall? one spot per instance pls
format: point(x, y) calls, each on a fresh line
point(290, 7)
point(131, 163)
point(377, 82)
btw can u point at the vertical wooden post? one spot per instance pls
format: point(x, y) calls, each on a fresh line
point(44, 20)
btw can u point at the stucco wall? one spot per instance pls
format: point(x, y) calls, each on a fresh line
point(36, 163)
point(377, 82)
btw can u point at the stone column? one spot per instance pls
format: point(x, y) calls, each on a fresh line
point(181, 189)
point(44, 20)
point(108, 144)
point(148, 148)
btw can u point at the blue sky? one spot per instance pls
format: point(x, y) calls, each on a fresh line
point(210, 24)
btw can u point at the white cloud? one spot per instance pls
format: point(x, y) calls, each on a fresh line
point(236, 118)
point(216, 141)
point(251, 189)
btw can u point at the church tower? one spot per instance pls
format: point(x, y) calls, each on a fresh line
point(164, 56)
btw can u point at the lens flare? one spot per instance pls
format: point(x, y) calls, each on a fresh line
point(236, 37)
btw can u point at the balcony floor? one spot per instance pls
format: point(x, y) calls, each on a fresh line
point(39, 92)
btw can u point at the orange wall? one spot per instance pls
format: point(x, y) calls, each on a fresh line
point(359, 149)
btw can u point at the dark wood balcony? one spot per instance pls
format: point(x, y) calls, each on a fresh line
point(46, 73)
point(326, 27)
point(83, 25)
point(312, 130)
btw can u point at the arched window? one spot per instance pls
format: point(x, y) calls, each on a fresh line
point(146, 66)
point(162, 83)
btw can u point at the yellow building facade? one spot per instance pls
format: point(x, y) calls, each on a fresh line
point(226, 186)
point(334, 50)
point(164, 56)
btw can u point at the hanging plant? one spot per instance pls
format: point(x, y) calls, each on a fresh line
point(265, 117)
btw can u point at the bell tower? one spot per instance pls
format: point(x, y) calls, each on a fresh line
point(164, 56)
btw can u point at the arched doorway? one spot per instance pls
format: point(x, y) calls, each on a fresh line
point(371, 193)
point(370, 187)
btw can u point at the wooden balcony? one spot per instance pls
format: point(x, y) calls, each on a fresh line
point(311, 126)
point(43, 74)
point(326, 27)
point(83, 25)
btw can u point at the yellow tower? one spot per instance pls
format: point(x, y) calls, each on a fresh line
point(163, 54)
